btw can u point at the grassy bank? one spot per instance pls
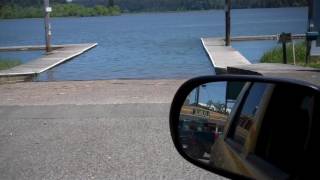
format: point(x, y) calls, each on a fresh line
point(275, 56)
point(58, 10)
point(8, 63)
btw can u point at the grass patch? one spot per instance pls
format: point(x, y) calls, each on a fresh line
point(275, 56)
point(8, 63)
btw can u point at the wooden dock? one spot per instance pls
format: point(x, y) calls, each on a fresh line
point(222, 56)
point(60, 54)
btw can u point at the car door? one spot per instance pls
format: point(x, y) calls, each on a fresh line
point(259, 141)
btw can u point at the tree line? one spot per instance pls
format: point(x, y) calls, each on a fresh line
point(173, 5)
point(32, 8)
point(25, 10)
point(142, 5)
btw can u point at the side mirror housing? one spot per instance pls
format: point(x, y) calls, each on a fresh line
point(249, 127)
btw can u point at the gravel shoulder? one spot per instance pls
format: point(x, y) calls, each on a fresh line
point(89, 92)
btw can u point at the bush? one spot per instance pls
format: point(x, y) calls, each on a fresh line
point(275, 56)
point(8, 63)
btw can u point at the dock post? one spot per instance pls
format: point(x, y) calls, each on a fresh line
point(228, 23)
point(47, 26)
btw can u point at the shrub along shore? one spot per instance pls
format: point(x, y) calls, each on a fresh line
point(8, 63)
point(275, 56)
point(58, 10)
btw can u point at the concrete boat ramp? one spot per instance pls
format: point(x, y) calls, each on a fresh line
point(222, 56)
point(60, 54)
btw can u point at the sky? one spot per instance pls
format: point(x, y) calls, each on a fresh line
point(215, 91)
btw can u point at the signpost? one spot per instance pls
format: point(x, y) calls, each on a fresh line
point(316, 19)
point(284, 38)
point(310, 28)
point(47, 26)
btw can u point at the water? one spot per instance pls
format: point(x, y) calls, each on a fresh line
point(149, 45)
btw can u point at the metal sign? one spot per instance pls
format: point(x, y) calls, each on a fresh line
point(285, 37)
point(201, 112)
point(48, 9)
point(311, 36)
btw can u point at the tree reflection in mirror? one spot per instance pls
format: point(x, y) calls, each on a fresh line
point(239, 127)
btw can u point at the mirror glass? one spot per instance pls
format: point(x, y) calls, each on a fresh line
point(248, 128)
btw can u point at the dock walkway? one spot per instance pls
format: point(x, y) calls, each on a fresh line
point(222, 56)
point(60, 54)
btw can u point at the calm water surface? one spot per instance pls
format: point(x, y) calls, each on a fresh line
point(148, 45)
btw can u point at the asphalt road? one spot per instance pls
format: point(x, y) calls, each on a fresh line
point(73, 134)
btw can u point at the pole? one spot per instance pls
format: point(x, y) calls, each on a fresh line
point(47, 27)
point(308, 49)
point(226, 100)
point(310, 14)
point(284, 49)
point(293, 53)
point(228, 21)
point(197, 95)
point(310, 27)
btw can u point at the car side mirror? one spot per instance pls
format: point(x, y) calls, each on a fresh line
point(250, 127)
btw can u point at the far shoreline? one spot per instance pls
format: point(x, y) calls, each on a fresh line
point(157, 12)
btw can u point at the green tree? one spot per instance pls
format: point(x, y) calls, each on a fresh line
point(220, 107)
point(209, 103)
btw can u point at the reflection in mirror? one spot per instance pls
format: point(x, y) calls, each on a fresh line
point(238, 127)
point(204, 115)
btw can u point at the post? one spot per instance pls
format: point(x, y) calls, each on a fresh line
point(228, 21)
point(283, 39)
point(197, 95)
point(47, 10)
point(310, 15)
point(310, 28)
point(284, 49)
point(293, 53)
point(226, 98)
